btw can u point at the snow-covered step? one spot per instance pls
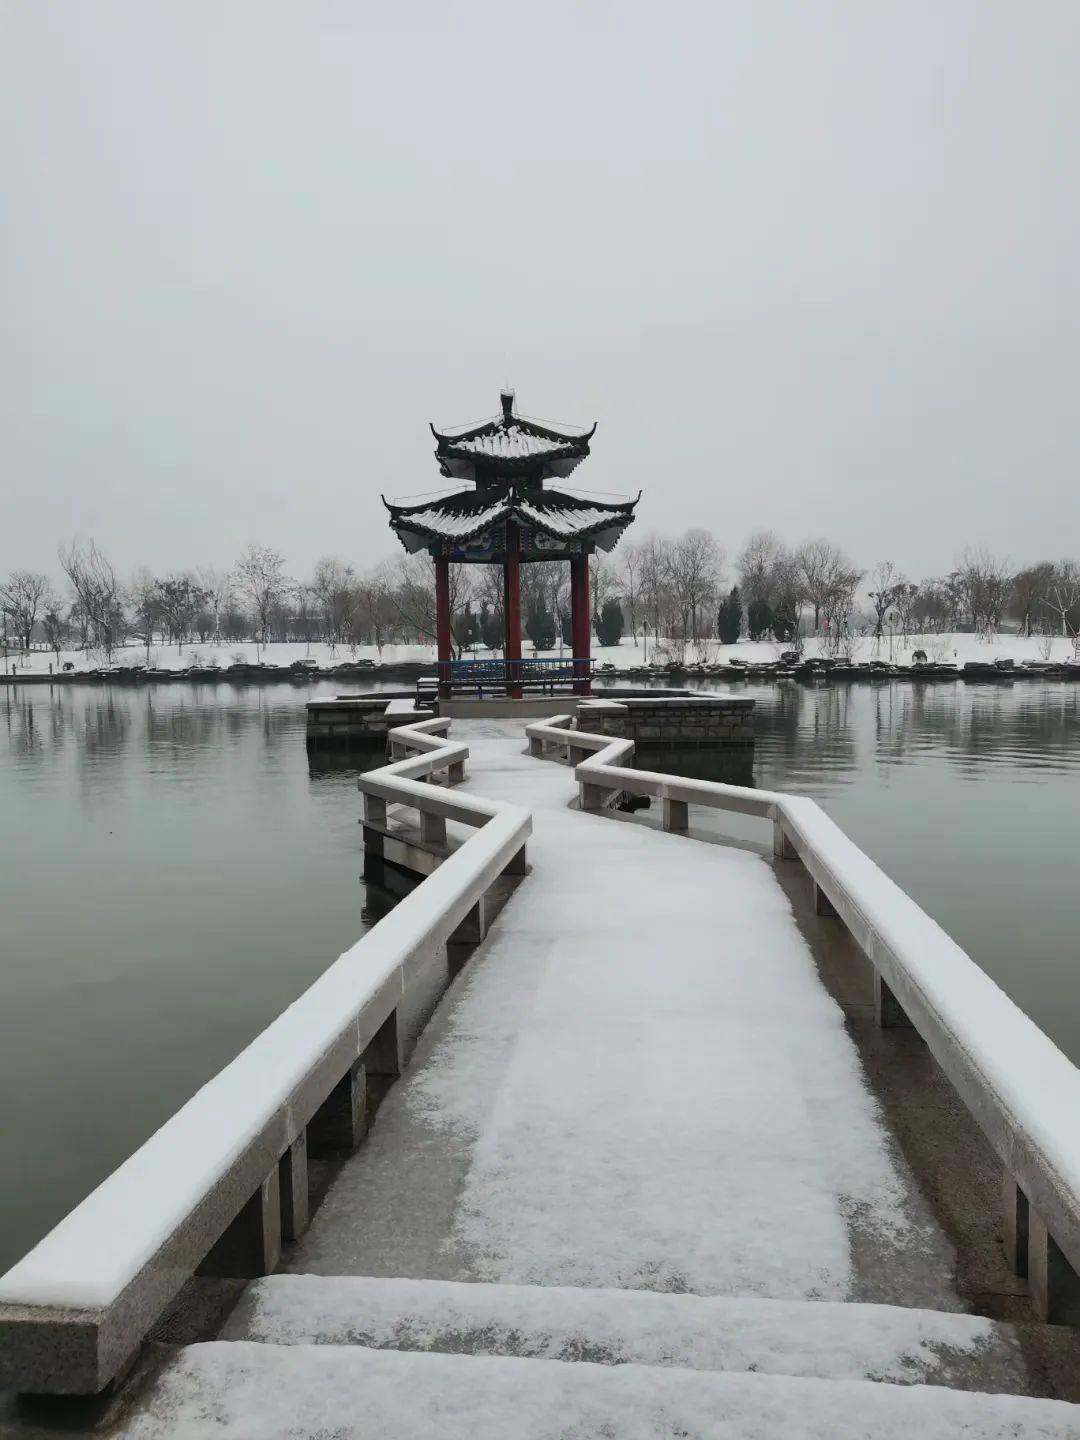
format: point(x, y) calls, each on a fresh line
point(309, 1392)
point(818, 1339)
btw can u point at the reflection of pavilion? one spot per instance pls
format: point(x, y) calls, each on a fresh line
point(510, 517)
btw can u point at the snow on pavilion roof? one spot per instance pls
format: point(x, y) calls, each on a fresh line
point(462, 517)
point(510, 443)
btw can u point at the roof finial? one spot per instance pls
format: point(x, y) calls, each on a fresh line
point(507, 398)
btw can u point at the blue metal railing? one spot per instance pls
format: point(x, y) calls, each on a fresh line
point(500, 674)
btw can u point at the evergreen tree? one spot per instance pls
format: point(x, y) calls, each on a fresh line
point(491, 631)
point(567, 630)
point(729, 618)
point(540, 627)
point(466, 629)
point(759, 619)
point(783, 626)
point(609, 627)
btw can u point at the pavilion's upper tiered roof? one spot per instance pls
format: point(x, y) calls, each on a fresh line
point(508, 445)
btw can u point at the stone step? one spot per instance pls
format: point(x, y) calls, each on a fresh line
point(819, 1339)
point(310, 1392)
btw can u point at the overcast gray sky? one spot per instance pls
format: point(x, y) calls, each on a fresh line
point(812, 266)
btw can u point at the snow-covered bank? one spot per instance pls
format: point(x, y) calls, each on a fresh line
point(172, 657)
point(951, 648)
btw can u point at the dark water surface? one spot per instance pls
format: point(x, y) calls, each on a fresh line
point(173, 873)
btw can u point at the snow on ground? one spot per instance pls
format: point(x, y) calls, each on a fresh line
point(239, 1391)
point(779, 1337)
point(653, 1087)
point(948, 649)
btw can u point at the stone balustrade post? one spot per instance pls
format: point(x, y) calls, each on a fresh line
point(251, 1245)
point(890, 1014)
point(1015, 1211)
point(822, 904)
point(340, 1123)
point(1055, 1285)
point(293, 1187)
point(783, 849)
point(516, 865)
point(676, 815)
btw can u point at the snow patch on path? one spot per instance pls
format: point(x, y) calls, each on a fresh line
point(658, 1091)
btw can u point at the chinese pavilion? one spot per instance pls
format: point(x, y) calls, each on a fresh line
point(510, 515)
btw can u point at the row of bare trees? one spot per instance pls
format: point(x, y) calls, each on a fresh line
point(676, 588)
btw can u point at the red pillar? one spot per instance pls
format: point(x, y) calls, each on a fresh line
point(442, 622)
point(512, 607)
point(580, 624)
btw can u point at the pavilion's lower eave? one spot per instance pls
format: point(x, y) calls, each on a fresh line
point(472, 524)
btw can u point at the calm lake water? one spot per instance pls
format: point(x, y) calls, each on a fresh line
point(174, 873)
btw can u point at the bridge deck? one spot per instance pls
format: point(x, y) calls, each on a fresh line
point(640, 1082)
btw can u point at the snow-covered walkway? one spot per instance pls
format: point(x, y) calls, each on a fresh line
point(639, 1084)
point(646, 1081)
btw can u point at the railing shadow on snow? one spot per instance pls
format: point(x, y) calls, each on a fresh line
point(1019, 1087)
point(218, 1186)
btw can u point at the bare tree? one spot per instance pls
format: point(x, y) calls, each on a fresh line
point(887, 585)
point(837, 605)
point(488, 593)
point(98, 593)
point(985, 582)
point(1063, 595)
point(906, 601)
point(655, 566)
point(1030, 588)
point(54, 625)
point(373, 611)
point(261, 578)
point(217, 585)
point(334, 586)
point(412, 597)
point(179, 599)
point(696, 563)
point(827, 579)
point(145, 606)
point(21, 598)
point(757, 565)
point(630, 565)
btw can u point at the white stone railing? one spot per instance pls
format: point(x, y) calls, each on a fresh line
point(1020, 1088)
point(222, 1181)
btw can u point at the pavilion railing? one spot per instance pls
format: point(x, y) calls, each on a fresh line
point(500, 674)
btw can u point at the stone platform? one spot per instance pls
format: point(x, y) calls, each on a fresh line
point(672, 720)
